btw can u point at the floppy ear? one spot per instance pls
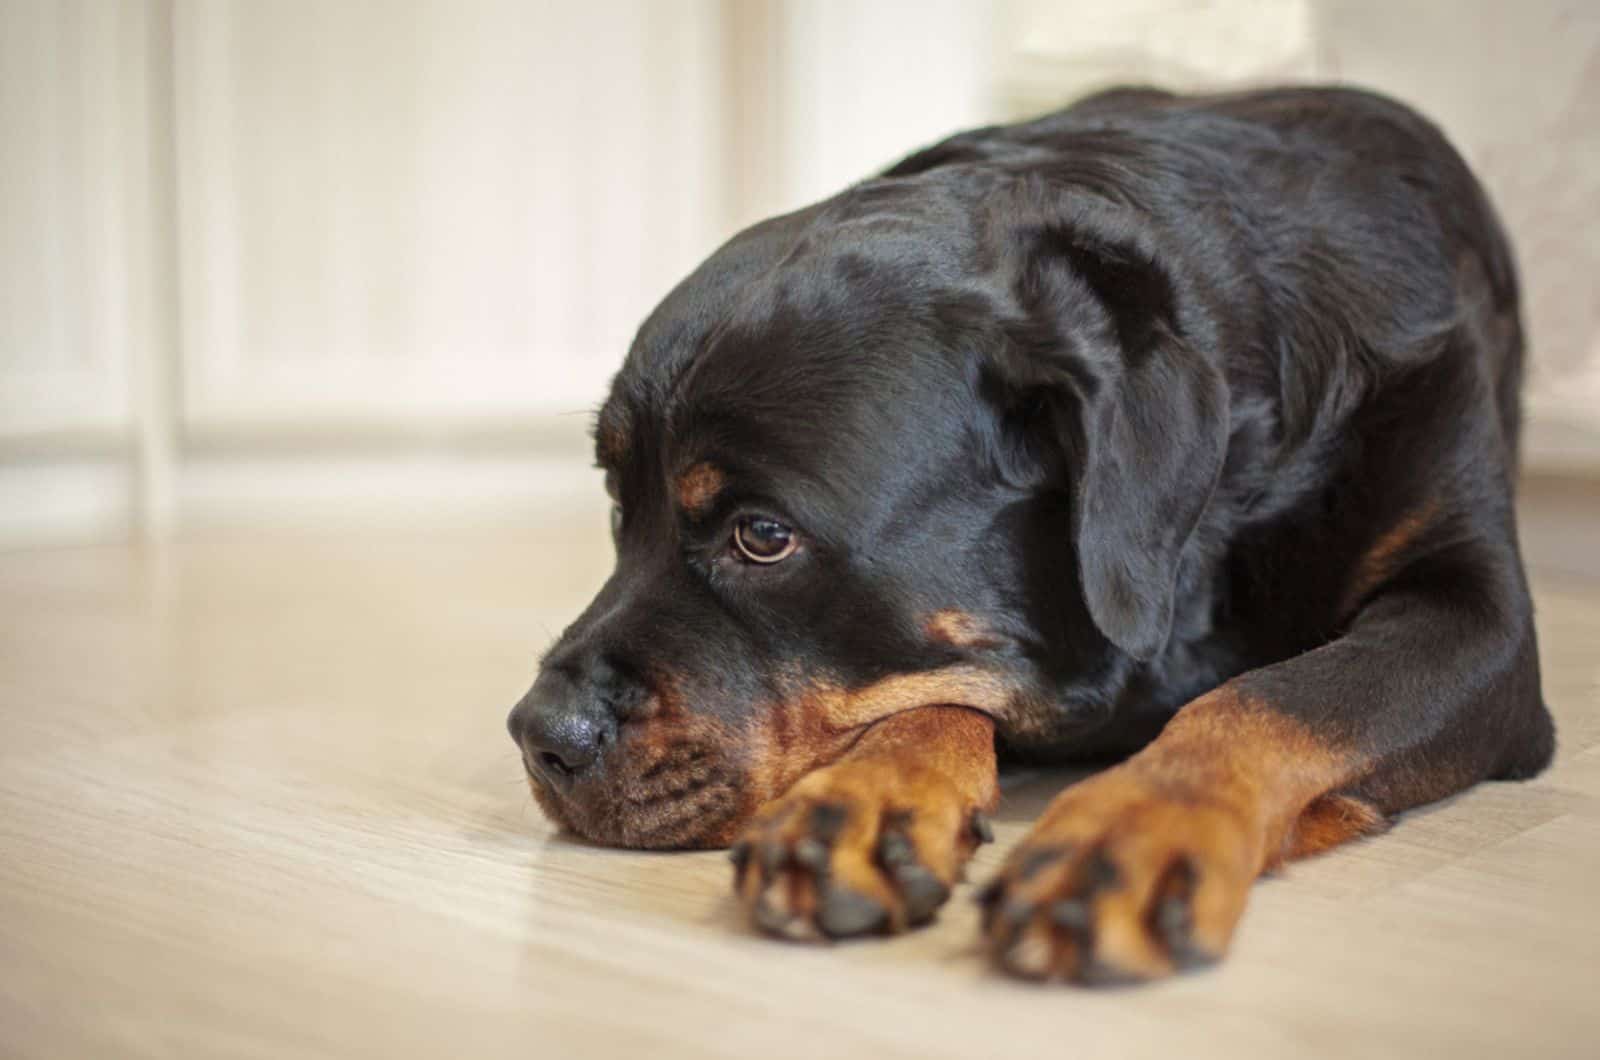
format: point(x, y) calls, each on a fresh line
point(1140, 412)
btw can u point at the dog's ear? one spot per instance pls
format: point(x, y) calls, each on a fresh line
point(1126, 410)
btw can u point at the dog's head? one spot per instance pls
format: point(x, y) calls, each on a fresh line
point(939, 440)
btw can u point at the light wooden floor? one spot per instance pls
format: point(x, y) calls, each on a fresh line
point(256, 800)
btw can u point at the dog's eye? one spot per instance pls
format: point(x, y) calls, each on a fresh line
point(763, 540)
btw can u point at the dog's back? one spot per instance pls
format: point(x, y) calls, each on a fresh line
point(1348, 207)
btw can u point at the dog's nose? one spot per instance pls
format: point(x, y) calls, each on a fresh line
point(562, 731)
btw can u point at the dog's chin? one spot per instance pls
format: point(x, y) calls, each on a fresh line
point(698, 813)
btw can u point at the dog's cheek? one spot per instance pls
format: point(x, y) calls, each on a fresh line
point(790, 738)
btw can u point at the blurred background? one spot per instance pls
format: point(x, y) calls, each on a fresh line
point(313, 263)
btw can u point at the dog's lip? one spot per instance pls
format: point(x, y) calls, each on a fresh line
point(570, 791)
point(591, 807)
point(539, 776)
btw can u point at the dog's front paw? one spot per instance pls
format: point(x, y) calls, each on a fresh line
point(851, 851)
point(1121, 881)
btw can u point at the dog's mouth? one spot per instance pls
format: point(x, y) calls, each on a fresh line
point(674, 778)
point(677, 792)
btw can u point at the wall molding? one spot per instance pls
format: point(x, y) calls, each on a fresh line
point(83, 489)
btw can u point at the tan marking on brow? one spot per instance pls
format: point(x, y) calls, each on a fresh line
point(959, 630)
point(1378, 563)
point(699, 486)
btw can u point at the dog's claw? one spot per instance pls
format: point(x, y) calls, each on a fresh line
point(1172, 921)
point(1037, 860)
point(922, 890)
point(1029, 955)
point(771, 919)
point(827, 819)
point(1102, 873)
point(811, 854)
point(982, 829)
point(1015, 914)
point(1097, 972)
point(894, 850)
point(845, 912)
point(1071, 915)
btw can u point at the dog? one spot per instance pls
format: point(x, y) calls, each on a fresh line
point(1180, 431)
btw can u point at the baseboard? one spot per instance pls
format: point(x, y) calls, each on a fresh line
point(322, 480)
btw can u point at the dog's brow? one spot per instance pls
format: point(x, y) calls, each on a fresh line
point(698, 487)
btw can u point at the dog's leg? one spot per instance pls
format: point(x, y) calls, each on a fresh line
point(1144, 868)
point(875, 841)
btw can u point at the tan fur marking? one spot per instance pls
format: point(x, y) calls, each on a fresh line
point(1266, 767)
point(959, 630)
point(821, 722)
point(1379, 562)
point(699, 486)
point(965, 686)
point(1332, 821)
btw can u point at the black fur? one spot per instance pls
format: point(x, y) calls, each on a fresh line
point(1140, 385)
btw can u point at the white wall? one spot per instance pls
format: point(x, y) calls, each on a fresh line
point(67, 133)
point(245, 239)
point(294, 261)
point(863, 84)
point(403, 211)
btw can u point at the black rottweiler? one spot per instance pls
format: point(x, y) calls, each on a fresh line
point(1179, 427)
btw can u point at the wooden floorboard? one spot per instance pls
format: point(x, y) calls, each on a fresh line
point(256, 800)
